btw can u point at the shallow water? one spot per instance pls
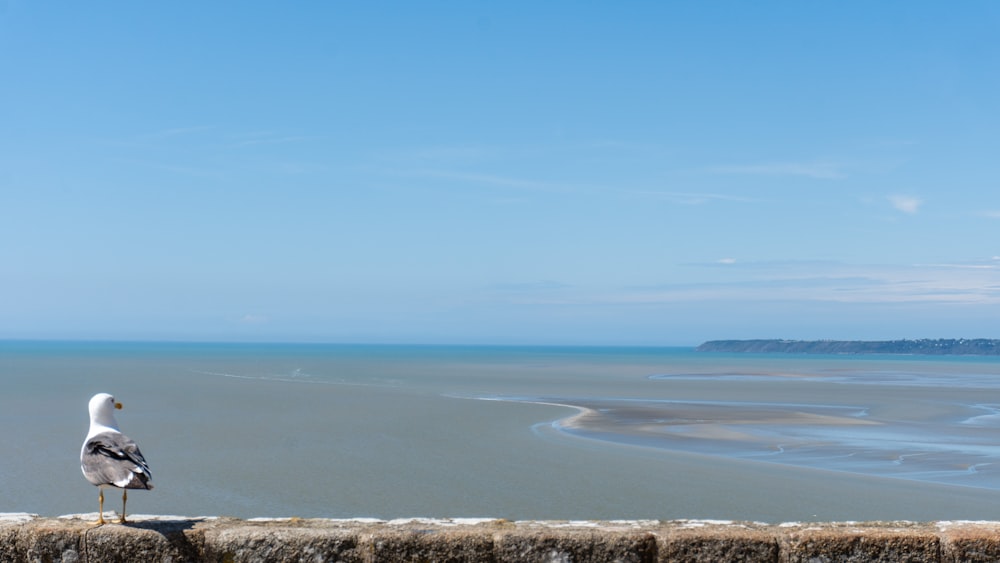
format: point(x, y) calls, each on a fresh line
point(396, 431)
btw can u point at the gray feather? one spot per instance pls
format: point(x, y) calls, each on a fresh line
point(111, 458)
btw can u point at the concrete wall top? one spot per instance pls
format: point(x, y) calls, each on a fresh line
point(175, 539)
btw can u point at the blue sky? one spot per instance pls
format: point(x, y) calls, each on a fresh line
point(499, 172)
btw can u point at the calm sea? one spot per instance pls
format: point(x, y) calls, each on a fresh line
point(514, 432)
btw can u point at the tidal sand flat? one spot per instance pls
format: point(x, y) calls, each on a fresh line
point(901, 418)
point(570, 433)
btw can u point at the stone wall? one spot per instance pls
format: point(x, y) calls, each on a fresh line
point(75, 539)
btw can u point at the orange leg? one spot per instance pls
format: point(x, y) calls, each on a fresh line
point(124, 498)
point(100, 506)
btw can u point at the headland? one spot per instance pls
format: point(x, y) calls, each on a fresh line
point(922, 346)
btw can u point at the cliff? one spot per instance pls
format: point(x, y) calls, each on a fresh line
point(25, 538)
point(932, 347)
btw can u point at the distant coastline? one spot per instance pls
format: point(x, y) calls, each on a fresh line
point(923, 346)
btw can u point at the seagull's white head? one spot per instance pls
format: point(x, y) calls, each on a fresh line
point(102, 413)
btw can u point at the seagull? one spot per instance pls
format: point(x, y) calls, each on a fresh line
point(109, 457)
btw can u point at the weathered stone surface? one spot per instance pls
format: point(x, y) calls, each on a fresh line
point(49, 541)
point(866, 543)
point(167, 541)
point(704, 542)
point(282, 540)
point(969, 542)
point(26, 539)
point(577, 542)
point(10, 528)
point(428, 544)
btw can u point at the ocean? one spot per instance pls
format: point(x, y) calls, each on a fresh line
point(348, 431)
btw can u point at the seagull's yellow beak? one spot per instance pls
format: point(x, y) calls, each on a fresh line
point(118, 406)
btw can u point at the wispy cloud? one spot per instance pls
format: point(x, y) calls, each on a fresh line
point(993, 263)
point(542, 285)
point(824, 170)
point(493, 180)
point(253, 319)
point(581, 152)
point(905, 203)
point(526, 184)
point(974, 283)
point(446, 154)
point(690, 198)
point(174, 168)
point(179, 131)
point(271, 139)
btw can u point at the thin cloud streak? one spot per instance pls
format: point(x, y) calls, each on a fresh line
point(950, 284)
point(692, 198)
point(542, 285)
point(183, 170)
point(681, 198)
point(818, 170)
point(446, 154)
point(273, 141)
point(178, 131)
point(492, 180)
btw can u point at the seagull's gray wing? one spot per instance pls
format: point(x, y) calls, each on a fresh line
point(111, 458)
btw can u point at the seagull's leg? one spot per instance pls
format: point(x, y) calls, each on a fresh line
point(124, 498)
point(100, 505)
